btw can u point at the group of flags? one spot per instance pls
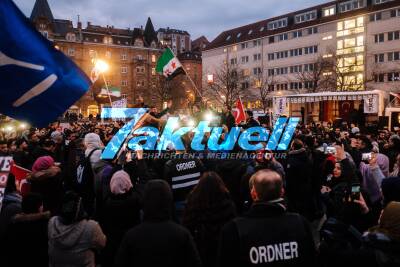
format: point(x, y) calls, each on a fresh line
point(38, 81)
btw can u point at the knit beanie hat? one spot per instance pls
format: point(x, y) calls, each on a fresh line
point(42, 163)
point(120, 183)
point(390, 220)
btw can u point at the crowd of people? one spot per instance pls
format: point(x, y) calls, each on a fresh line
point(333, 200)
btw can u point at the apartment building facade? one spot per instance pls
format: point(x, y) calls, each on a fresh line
point(130, 53)
point(340, 46)
point(178, 40)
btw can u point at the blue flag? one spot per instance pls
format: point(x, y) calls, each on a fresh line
point(37, 82)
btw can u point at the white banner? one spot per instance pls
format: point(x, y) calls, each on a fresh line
point(371, 104)
point(5, 165)
point(120, 103)
point(280, 106)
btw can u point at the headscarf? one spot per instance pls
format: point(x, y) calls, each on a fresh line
point(120, 183)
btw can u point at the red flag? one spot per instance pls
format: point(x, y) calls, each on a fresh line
point(19, 172)
point(238, 112)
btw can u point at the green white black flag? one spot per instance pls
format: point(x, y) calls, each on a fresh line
point(168, 63)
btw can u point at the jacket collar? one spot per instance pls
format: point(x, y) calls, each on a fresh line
point(267, 209)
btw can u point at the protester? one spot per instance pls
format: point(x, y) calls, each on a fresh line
point(27, 234)
point(73, 239)
point(10, 207)
point(268, 226)
point(158, 241)
point(46, 180)
point(208, 208)
point(121, 211)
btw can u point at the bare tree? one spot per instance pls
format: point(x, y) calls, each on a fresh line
point(313, 76)
point(162, 89)
point(227, 85)
point(265, 86)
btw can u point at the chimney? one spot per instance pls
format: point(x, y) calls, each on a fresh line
point(79, 25)
point(89, 24)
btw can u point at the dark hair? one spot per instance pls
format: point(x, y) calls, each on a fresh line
point(209, 191)
point(297, 144)
point(267, 184)
point(72, 208)
point(3, 142)
point(157, 201)
point(20, 141)
point(48, 143)
point(31, 203)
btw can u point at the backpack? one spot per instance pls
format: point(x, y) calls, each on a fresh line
point(84, 183)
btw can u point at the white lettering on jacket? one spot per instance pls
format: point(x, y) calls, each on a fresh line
point(185, 166)
point(277, 252)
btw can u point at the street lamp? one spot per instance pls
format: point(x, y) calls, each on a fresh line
point(101, 66)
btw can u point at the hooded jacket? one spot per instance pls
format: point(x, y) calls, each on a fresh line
point(74, 244)
point(158, 241)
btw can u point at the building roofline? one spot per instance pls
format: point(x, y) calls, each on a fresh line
point(220, 40)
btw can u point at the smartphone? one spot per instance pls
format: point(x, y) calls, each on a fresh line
point(355, 192)
point(366, 157)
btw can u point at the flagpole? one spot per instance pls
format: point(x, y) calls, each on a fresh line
point(108, 91)
point(190, 79)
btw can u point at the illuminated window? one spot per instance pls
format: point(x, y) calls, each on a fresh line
point(210, 78)
point(234, 48)
point(153, 71)
point(153, 58)
point(348, 24)
point(327, 73)
point(360, 22)
point(349, 61)
point(340, 26)
point(349, 42)
point(327, 38)
point(340, 44)
point(225, 50)
point(360, 60)
point(329, 11)
point(124, 69)
point(327, 56)
point(360, 40)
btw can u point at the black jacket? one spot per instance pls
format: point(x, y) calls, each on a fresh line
point(299, 187)
point(158, 243)
point(182, 175)
point(267, 236)
point(205, 226)
point(27, 240)
point(121, 213)
point(374, 250)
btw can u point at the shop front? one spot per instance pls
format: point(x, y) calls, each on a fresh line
point(360, 107)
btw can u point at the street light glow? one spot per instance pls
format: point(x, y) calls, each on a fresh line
point(101, 66)
point(208, 116)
